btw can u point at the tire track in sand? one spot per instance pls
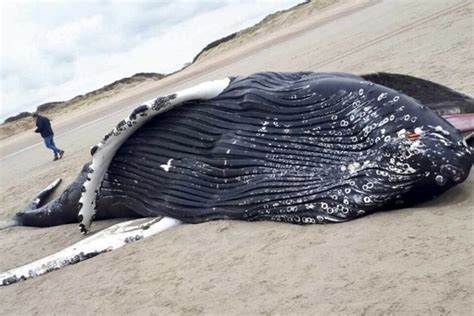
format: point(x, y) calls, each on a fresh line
point(391, 34)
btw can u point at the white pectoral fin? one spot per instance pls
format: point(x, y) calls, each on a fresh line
point(103, 153)
point(104, 241)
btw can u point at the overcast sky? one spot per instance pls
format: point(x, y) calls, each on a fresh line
point(55, 50)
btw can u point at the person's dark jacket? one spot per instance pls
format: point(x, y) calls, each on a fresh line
point(43, 127)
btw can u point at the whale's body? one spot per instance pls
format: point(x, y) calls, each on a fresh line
point(294, 147)
point(299, 147)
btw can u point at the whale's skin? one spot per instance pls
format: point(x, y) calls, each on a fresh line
point(295, 147)
point(299, 147)
point(64, 209)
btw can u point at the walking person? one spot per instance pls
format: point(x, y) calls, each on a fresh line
point(44, 128)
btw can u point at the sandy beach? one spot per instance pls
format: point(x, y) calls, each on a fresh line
point(405, 262)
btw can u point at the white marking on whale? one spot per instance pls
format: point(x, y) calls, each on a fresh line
point(106, 240)
point(167, 166)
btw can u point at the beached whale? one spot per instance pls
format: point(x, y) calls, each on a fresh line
point(299, 147)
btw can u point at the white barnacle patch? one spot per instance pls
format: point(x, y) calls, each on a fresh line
point(308, 220)
point(401, 133)
point(383, 122)
point(167, 166)
point(441, 138)
point(353, 167)
point(441, 130)
point(382, 96)
point(415, 147)
point(113, 140)
point(440, 180)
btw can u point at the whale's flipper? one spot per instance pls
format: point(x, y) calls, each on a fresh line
point(43, 195)
point(103, 152)
point(33, 207)
point(64, 208)
point(104, 241)
point(439, 98)
point(61, 210)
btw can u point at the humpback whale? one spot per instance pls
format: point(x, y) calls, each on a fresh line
point(301, 147)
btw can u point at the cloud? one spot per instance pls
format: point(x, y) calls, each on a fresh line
point(53, 51)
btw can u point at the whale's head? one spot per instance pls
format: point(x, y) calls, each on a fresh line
point(427, 160)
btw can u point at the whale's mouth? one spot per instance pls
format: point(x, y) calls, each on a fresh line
point(463, 122)
point(469, 140)
point(103, 152)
